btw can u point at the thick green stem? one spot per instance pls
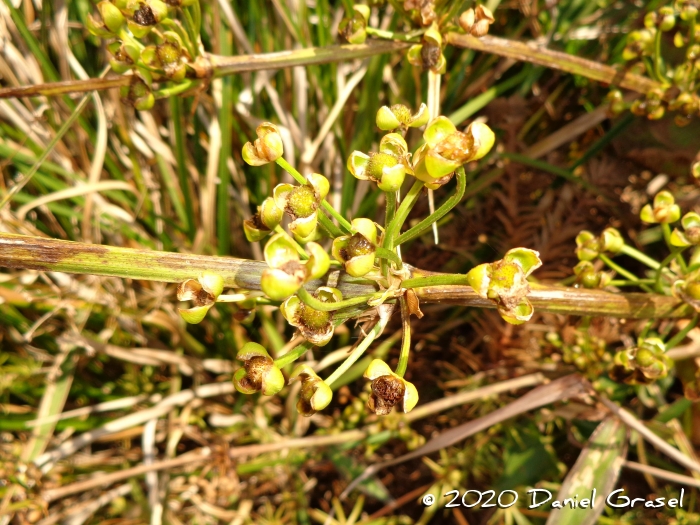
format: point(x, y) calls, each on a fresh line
point(436, 280)
point(402, 214)
point(51, 255)
point(420, 228)
point(357, 353)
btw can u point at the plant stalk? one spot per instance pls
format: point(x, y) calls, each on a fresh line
point(51, 255)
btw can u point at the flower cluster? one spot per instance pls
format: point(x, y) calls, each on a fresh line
point(642, 364)
point(147, 39)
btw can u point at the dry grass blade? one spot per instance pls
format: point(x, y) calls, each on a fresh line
point(598, 466)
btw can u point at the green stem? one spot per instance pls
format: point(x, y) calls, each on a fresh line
point(176, 89)
point(402, 214)
point(389, 214)
point(420, 228)
point(405, 338)
point(675, 252)
point(282, 163)
point(666, 229)
point(294, 354)
point(681, 335)
point(436, 280)
point(639, 256)
point(620, 282)
point(180, 157)
point(383, 253)
point(300, 250)
point(322, 306)
point(357, 353)
point(619, 269)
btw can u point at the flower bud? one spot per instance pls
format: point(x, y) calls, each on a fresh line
point(611, 241)
point(259, 372)
point(389, 390)
point(203, 293)
point(664, 209)
point(357, 251)
point(587, 246)
point(505, 283)
point(111, 16)
point(266, 148)
point(315, 393)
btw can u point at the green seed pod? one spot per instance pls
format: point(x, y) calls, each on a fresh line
point(259, 373)
point(111, 16)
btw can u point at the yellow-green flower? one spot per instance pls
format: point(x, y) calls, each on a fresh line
point(301, 203)
point(357, 251)
point(446, 149)
point(266, 148)
point(316, 326)
point(315, 394)
point(354, 28)
point(263, 222)
point(387, 168)
point(663, 210)
point(505, 283)
point(203, 293)
point(286, 273)
point(399, 116)
point(690, 236)
point(259, 372)
point(588, 277)
point(643, 364)
point(389, 390)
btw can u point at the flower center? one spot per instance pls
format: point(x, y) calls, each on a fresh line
point(358, 245)
point(315, 320)
point(302, 201)
point(402, 113)
point(377, 163)
point(255, 367)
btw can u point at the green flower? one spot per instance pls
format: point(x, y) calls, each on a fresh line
point(399, 116)
point(316, 326)
point(664, 209)
point(389, 390)
point(587, 246)
point(690, 236)
point(266, 148)
point(588, 277)
point(505, 283)
point(138, 94)
point(387, 168)
point(643, 364)
point(169, 57)
point(259, 372)
point(286, 273)
point(263, 222)
point(203, 293)
point(357, 251)
point(639, 44)
point(315, 393)
point(301, 203)
point(446, 149)
point(688, 289)
point(354, 28)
